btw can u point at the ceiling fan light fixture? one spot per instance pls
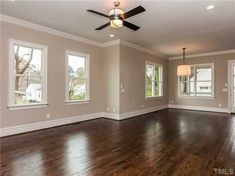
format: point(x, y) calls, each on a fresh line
point(118, 16)
point(116, 21)
point(116, 11)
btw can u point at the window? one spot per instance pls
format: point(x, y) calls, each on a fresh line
point(153, 80)
point(27, 70)
point(199, 84)
point(77, 77)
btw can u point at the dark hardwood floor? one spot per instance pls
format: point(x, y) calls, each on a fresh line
point(165, 143)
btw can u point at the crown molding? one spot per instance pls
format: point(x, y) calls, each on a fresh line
point(110, 43)
point(204, 54)
point(66, 35)
point(41, 28)
point(132, 45)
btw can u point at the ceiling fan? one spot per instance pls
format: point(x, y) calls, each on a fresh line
point(117, 17)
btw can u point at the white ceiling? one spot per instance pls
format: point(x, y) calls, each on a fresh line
point(166, 26)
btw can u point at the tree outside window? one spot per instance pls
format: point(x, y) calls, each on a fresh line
point(153, 80)
point(27, 75)
point(77, 77)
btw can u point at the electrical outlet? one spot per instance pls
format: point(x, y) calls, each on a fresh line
point(172, 101)
point(114, 109)
point(142, 106)
point(220, 104)
point(48, 116)
point(108, 109)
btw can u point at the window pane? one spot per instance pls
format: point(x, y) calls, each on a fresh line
point(203, 88)
point(76, 66)
point(157, 89)
point(199, 83)
point(184, 88)
point(149, 88)
point(149, 71)
point(29, 90)
point(157, 85)
point(153, 80)
point(77, 89)
point(77, 78)
point(157, 73)
point(192, 77)
point(187, 88)
point(28, 75)
point(203, 74)
point(149, 76)
point(28, 61)
point(183, 78)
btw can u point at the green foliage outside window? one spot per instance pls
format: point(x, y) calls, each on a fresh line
point(153, 80)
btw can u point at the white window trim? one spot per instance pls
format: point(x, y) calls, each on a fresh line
point(87, 100)
point(145, 89)
point(212, 84)
point(11, 82)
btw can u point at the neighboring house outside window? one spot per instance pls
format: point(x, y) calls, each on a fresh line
point(153, 80)
point(199, 84)
point(34, 92)
point(27, 74)
point(77, 77)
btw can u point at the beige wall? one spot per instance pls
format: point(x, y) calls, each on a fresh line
point(56, 77)
point(110, 67)
point(132, 77)
point(220, 78)
point(106, 67)
point(1, 76)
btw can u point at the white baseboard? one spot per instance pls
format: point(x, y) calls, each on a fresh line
point(69, 120)
point(199, 108)
point(127, 115)
point(110, 115)
point(46, 124)
point(140, 112)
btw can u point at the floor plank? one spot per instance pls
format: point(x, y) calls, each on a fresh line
point(165, 143)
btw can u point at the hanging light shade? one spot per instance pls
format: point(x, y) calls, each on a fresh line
point(184, 69)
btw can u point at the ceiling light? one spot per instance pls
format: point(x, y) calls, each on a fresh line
point(184, 69)
point(111, 35)
point(116, 21)
point(209, 7)
point(13, 0)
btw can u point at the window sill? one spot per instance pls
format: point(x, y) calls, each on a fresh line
point(195, 97)
point(77, 102)
point(153, 98)
point(29, 106)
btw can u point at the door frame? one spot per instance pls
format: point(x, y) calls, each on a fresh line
point(230, 62)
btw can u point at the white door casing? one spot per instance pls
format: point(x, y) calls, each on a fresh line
point(231, 86)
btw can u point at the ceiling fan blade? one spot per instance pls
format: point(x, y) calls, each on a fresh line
point(133, 12)
point(130, 25)
point(102, 27)
point(98, 13)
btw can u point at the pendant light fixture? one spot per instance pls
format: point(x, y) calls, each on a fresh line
point(184, 69)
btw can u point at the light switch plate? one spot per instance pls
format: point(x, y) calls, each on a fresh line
point(225, 90)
